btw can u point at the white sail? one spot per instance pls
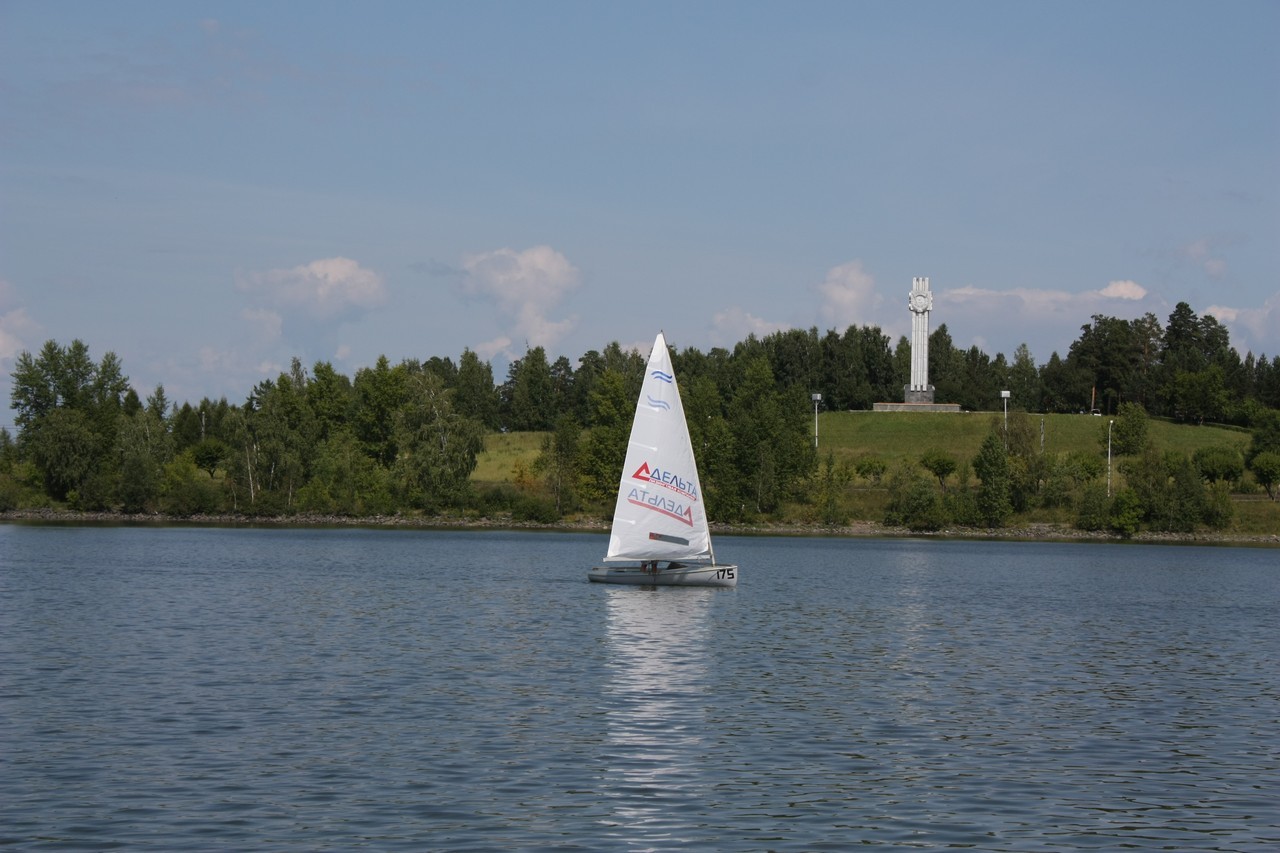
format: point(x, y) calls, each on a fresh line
point(659, 514)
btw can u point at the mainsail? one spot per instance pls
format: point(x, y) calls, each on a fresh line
point(659, 514)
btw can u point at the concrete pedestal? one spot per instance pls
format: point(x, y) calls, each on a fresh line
point(916, 407)
point(917, 395)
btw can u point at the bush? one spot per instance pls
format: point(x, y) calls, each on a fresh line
point(10, 493)
point(1266, 470)
point(495, 500)
point(914, 503)
point(1129, 432)
point(1093, 513)
point(184, 491)
point(1219, 511)
point(535, 509)
point(870, 468)
point(1219, 464)
point(1125, 516)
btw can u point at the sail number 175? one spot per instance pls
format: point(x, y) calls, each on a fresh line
point(723, 574)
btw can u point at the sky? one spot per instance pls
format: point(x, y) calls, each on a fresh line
point(212, 189)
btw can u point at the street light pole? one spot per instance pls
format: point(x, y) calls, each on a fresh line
point(1004, 395)
point(817, 398)
point(1109, 425)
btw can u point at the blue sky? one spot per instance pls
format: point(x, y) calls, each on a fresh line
point(210, 189)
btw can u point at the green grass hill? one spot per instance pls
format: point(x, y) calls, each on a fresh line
point(897, 437)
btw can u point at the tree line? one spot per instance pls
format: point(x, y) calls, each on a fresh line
point(405, 437)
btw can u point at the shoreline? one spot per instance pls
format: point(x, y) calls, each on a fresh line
point(1038, 532)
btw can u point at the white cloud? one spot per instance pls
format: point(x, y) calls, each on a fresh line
point(525, 287)
point(267, 325)
point(734, 324)
point(1124, 290)
point(1043, 318)
point(327, 289)
point(1043, 302)
point(1252, 329)
point(488, 349)
point(849, 296)
point(17, 329)
point(1203, 253)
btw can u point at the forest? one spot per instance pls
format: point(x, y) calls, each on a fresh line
point(404, 438)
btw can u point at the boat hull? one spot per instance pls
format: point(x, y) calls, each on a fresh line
point(697, 575)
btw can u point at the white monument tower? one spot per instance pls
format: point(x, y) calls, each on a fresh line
point(920, 302)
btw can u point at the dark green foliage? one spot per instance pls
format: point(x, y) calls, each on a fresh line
point(1172, 496)
point(1218, 510)
point(475, 396)
point(64, 449)
point(559, 461)
point(1219, 464)
point(770, 430)
point(870, 467)
point(1187, 498)
point(1094, 511)
point(1266, 470)
point(605, 445)
point(995, 503)
point(346, 481)
point(1265, 435)
point(1125, 516)
point(829, 483)
point(1067, 475)
point(960, 505)
point(1128, 432)
point(378, 393)
point(940, 464)
point(186, 492)
point(528, 397)
point(208, 455)
point(437, 447)
point(143, 445)
point(381, 444)
point(68, 409)
point(914, 502)
point(535, 509)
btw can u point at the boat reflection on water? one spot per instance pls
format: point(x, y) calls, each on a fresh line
point(656, 708)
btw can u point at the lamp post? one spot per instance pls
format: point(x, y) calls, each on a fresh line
point(1109, 425)
point(817, 398)
point(1004, 395)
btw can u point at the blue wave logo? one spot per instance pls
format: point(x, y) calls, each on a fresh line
point(659, 404)
point(664, 377)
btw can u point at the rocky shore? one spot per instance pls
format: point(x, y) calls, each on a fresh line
point(1029, 532)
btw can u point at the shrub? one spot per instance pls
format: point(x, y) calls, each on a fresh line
point(870, 468)
point(535, 509)
point(1126, 513)
point(1219, 464)
point(914, 503)
point(1093, 513)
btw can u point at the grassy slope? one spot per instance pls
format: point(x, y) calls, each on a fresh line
point(503, 452)
point(895, 436)
point(903, 436)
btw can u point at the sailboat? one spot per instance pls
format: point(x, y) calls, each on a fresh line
point(660, 535)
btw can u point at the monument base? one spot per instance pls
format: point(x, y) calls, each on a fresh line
point(916, 394)
point(915, 407)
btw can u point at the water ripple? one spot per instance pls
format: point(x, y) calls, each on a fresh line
point(286, 690)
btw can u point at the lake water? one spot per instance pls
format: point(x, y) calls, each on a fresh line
point(266, 689)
